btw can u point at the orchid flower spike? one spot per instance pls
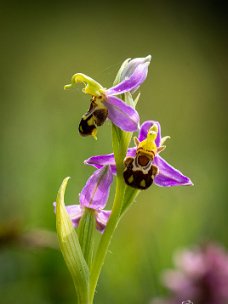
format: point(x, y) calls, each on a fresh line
point(143, 164)
point(104, 103)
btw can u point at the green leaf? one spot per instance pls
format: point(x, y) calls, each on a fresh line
point(70, 247)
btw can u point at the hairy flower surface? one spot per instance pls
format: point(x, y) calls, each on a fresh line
point(149, 140)
point(94, 196)
point(105, 104)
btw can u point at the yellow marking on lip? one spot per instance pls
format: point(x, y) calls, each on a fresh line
point(90, 122)
point(130, 179)
point(143, 183)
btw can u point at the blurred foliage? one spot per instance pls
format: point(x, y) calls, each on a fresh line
point(42, 46)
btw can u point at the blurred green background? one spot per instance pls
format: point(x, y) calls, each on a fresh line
point(42, 46)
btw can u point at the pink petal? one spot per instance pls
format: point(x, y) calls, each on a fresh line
point(95, 193)
point(102, 218)
point(121, 114)
point(134, 75)
point(169, 176)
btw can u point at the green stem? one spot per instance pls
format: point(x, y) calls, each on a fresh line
point(120, 142)
point(129, 198)
point(107, 236)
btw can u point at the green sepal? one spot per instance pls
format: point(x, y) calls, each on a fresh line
point(86, 229)
point(129, 199)
point(129, 99)
point(118, 76)
point(70, 247)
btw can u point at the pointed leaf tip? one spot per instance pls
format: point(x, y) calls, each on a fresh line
point(70, 247)
point(61, 192)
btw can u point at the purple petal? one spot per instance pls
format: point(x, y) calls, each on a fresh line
point(145, 128)
point(100, 161)
point(131, 65)
point(122, 115)
point(169, 176)
point(75, 212)
point(95, 193)
point(134, 77)
point(102, 218)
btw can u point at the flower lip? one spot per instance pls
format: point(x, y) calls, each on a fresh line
point(95, 116)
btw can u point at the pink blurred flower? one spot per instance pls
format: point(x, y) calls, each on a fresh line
point(201, 275)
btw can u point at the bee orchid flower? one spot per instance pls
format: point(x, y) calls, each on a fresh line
point(104, 103)
point(143, 164)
